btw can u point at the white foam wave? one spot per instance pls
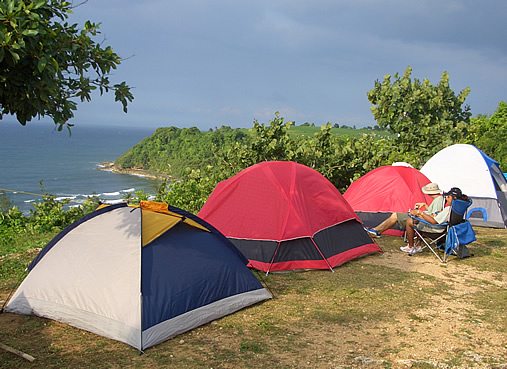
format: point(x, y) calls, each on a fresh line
point(117, 193)
point(60, 198)
point(129, 190)
point(137, 175)
point(89, 195)
point(113, 202)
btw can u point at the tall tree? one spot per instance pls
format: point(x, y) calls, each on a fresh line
point(490, 134)
point(424, 118)
point(47, 64)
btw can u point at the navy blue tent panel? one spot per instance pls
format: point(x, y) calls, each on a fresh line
point(185, 269)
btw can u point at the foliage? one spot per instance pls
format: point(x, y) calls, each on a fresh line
point(338, 158)
point(5, 202)
point(45, 63)
point(171, 150)
point(48, 215)
point(13, 219)
point(490, 134)
point(192, 191)
point(266, 143)
point(424, 118)
point(136, 197)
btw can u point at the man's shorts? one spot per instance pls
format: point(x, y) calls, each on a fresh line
point(402, 220)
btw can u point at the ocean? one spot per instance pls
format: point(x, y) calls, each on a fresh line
point(66, 165)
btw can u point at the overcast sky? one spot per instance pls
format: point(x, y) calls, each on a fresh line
point(212, 63)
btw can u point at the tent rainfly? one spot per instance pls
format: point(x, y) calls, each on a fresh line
point(139, 275)
point(478, 176)
point(385, 190)
point(286, 216)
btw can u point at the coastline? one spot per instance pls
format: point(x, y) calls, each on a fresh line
point(110, 166)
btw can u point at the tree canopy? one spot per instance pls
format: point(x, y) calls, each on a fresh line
point(424, 118)
point(170, 150)
point(46, 64)
point(340, 159)
point(490, 134)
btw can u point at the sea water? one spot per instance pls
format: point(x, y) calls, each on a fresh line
point(66, 164)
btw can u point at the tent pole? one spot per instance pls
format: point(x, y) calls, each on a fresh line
point(273, 258)
point(265, 283)
point(141, 242)
point(322, 255)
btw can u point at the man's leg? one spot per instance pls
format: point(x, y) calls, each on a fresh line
point(387, 224)
point(410, 232)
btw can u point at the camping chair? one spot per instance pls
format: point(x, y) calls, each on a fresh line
point(455, 234)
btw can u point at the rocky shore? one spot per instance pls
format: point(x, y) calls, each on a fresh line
point(110, 166)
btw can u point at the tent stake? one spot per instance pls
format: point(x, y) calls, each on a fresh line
point(17, 352)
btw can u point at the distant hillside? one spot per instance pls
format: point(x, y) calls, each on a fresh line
point(170, 150)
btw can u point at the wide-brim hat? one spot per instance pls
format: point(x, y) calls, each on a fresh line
point(431, 189)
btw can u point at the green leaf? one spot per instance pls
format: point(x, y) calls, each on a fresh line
point(42, 64)
point(15, 56)
point(30, 32)
point(38, 4)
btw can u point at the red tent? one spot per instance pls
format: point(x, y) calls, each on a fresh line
point(386, 190)
point(284, 215)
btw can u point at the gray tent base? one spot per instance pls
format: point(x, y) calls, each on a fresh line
point(486, 212)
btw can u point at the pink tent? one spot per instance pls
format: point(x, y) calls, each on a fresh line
point(284, 215)
point(386, 190)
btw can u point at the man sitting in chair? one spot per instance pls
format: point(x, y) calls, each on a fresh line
point(441, 217)
point(437, 205)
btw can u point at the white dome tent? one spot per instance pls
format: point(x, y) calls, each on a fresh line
point(478, 176)
point(138, 274)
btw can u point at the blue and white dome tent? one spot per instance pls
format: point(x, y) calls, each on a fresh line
point(478, 176)
point(137, 274)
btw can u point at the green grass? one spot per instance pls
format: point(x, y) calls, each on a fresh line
point(310, 131)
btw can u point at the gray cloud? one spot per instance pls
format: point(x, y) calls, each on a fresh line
point(229, 62)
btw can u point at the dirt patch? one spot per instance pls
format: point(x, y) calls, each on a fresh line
point(453, 273)
point(433, 333)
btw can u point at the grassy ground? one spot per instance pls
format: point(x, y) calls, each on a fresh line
point(310, 131)
point(380, 311)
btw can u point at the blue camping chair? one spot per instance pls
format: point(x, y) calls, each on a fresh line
point(452, 236)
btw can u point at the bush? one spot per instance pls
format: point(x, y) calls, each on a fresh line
point(49, 215)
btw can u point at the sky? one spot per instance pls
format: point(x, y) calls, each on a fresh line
point(230, 62)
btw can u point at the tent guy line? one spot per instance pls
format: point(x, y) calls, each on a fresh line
point(26, 193)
